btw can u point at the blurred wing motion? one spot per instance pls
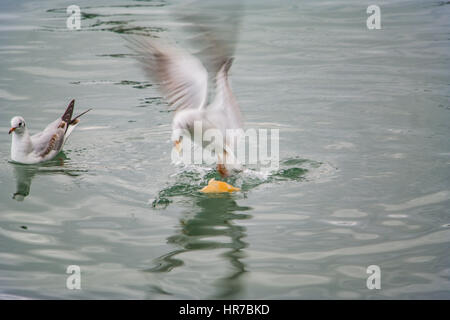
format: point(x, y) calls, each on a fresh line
point(212, 28)
point(182, 77)
point(224, 102)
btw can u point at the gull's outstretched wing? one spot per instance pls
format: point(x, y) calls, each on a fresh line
point(182, 77)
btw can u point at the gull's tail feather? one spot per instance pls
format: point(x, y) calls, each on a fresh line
point(72, 124)
point(67, 116)
point(75, 120)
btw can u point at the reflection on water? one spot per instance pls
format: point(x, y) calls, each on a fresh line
point(212, 216)
point(212, 222)
point(24, 173)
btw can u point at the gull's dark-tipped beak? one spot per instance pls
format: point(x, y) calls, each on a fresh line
point(12, 130)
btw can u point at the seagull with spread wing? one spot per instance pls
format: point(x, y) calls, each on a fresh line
point(45, 145)
point(183, 80)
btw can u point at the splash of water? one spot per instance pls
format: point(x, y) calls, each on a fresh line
point(191, 178)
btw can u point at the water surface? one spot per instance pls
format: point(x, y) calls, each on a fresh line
point(364, 120)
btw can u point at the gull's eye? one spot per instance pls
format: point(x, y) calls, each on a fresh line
point(20, 124)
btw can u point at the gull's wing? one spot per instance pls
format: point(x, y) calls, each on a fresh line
point(67, 115)
point(55, 135)
point(213, 28)
point(225, 114)
point(182, 77)
point(225, 104)
point(49, 141)
point(52, 138)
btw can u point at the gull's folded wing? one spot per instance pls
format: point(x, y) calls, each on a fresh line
point(47, 141)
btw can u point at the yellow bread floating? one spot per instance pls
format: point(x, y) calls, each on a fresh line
point(218, 187)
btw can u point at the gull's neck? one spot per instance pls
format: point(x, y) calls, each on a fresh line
point(21, 146)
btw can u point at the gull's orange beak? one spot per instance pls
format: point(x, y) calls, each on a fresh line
point(177, 145)
point(12, 130)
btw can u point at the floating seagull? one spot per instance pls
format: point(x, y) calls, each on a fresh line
point(183, 80)
point(44, 145)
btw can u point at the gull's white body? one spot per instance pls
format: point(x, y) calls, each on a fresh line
point(28, 149)
point(44, 145)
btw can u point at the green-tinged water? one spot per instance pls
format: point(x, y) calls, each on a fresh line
point(364, 176)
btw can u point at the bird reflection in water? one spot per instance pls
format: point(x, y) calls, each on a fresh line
point(213, 216)
point(24, 174)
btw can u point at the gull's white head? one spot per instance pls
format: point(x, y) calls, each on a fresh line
point(17, 125)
